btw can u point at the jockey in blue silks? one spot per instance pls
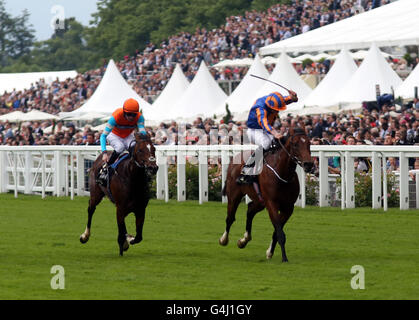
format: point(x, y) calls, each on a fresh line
point(260, 130)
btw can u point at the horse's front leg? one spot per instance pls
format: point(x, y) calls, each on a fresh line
point(278, 221)
point(139, 223)
point(252, 208)
point(233, 203)
point(271, 249)
point(122, 232)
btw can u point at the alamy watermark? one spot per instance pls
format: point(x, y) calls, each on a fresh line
point(58, 280)
point(358, 280)
point(58, 20)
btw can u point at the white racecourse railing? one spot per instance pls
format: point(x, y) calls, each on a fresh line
point(62, 170)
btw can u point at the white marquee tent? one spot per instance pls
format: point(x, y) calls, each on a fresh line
point(407, 89)
point(373, 70)
point(22, 81)
point(284, 74)
point(174, 89)
point(111, 93)
point(341, 71)
point(395, 24)
point(240, 98)
point(202, 98)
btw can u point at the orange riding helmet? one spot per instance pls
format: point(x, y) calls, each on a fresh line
point(131, 106)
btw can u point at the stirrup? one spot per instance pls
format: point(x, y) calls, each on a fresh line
point(102, 177)
point(245, 179)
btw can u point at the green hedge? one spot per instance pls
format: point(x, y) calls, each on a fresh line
point(363, 190)
point(363, 187)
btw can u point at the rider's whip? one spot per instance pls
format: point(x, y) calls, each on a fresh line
point(269, 81)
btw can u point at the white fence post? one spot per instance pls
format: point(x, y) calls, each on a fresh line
point(16, 174)
point(80, 173)
point(181, 175)
point(203, 176)
point(301, 200)
point(385, 193)
point(225, 161)
point(376, 181)
point(404, 181)
point(162, 176)
point(323, 180)
point(28, 178)
point(350, 181)
point(3, 171)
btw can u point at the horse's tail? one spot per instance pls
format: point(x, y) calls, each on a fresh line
point(224, 192)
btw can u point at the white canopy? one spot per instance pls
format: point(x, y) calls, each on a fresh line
point(394, 24)
point(284, 74)
point(407, 89)
point(373, 70)
point(22, 81)
point(36, 115)
point(362, 54)
point(14, 116)
point(341, 71)
point(174, 89)
point(203, 97)
point(240, 98)
point(271, 60)
point(111, 93)
point(90, 116)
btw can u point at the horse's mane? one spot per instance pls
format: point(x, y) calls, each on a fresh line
point(284, 139)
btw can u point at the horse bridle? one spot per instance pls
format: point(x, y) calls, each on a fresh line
point(292, 157)
point(132, 144)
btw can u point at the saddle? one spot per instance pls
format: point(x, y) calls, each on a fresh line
point(106, 173)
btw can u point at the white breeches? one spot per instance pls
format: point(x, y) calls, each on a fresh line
point(120, 144)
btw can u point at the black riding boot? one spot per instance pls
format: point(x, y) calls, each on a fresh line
point(113, 157)
point(248, 174)
point(111, 160)
point(105, 171)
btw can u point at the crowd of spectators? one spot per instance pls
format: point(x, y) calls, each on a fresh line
point(149, 71)
point(240, 37)
point(387, 124)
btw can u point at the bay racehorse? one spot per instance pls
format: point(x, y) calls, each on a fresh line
point(128, 189)
point(277, 189)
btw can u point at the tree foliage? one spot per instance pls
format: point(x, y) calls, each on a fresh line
point(118, 28)
point(16, 35)
point(66, 50)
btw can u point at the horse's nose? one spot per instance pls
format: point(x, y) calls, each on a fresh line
point(152, 169)
point(308, 166)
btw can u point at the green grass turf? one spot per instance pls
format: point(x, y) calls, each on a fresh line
point(180, 257)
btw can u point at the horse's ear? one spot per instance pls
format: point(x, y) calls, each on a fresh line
point(291, 130)
point(303, 126)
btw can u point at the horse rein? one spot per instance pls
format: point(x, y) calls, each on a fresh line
point(293, 158)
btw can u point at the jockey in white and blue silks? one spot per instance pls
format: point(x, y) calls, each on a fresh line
point(260, 130)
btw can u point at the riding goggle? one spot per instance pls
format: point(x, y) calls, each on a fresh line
point(129, 114)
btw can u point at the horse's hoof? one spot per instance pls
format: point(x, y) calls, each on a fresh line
point(83, 239)
point(223, 242)
point(135, 241)
point(125, 247)
point(269, 255)
point(224, 239)
point(241, 243)
point(285, 260)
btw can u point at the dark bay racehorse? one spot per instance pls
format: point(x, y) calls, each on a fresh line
point(279, 188)
point(129, 190)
